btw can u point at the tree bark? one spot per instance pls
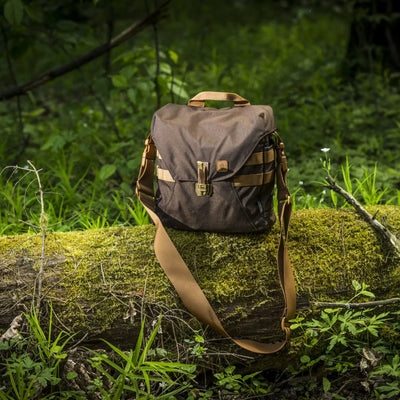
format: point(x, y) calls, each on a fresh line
point(102, 282)
point(373, 36)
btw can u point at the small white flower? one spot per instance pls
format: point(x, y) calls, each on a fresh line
point(301, 183)
point(325, 149)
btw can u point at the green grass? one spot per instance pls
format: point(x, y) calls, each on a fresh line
point(89, 146)
point(351, 348)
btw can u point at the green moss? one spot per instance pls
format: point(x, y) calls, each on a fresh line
point(335, 247)
point(97, 277)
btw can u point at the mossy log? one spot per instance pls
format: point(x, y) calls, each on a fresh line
point(100, 281)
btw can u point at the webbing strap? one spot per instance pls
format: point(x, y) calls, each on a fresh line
point(164, 175)
point(261, 157)
point(253, 179)
point(182, 279)
point(238, 180)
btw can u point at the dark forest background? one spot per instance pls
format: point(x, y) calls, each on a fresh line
point(77, 96)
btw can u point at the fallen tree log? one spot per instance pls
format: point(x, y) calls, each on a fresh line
point(100, 282)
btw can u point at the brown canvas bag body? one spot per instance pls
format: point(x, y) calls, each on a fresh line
point(216, 171)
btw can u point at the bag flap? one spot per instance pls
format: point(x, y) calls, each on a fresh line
point(184, 135)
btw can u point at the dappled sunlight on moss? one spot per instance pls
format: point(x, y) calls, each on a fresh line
point(95, 277)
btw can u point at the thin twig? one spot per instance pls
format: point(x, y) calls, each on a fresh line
point(33, 226)
point(393, 240)
point(349, 306)
point(75, 346)
point(66, 329)
point(102, 274)
point(43, 230)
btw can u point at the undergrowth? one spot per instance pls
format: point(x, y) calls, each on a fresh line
point(21, 209)
point(336, 348)
point(89, 146)
point(352, 346)
point(339, 353)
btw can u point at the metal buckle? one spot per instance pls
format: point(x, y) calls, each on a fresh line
point(285, 326)
point(203, 189)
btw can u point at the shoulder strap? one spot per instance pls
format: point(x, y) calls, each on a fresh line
point(182, 279)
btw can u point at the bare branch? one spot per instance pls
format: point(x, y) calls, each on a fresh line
point(132, 30)
point(368, 304)
point(393, 240)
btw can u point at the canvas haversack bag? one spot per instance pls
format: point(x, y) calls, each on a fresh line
point(216, 171)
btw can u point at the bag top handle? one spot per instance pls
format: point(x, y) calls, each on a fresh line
point(200, 99)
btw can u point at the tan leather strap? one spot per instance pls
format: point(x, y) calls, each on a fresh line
point(182, 279)
point(284, 213)
point(200, 99)
point(164, 175)
point(261, 157)
point(255, 159)
point(253, 179)
point(145, 181)
point(238, 180)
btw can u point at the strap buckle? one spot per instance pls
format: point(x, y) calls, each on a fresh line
point(285, 326)
point(150, 151)
point(281, 157)
point(141, 192)
point(203, 189)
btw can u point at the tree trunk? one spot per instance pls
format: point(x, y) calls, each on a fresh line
point(102, 282)
point(374, 34)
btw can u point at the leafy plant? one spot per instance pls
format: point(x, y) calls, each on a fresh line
point(196, 346)
point(50, 351)
point(236, 383)
point(346, 176)
point(132, 374)
point(338, 340)
point(32, 367)
point(391, 370)
point(368, 190)
point(370, 193)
